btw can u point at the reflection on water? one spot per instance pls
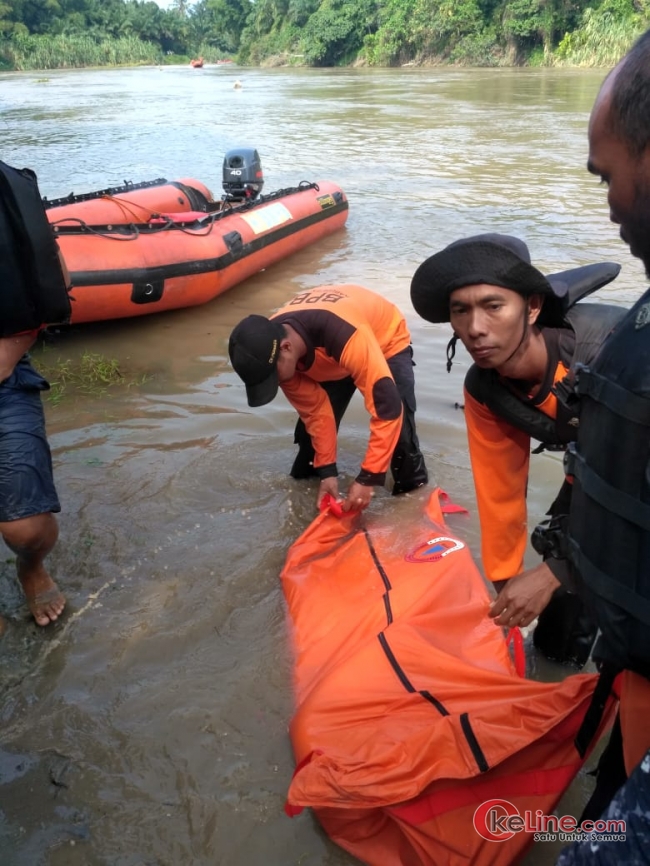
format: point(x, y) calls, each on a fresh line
point(150, 726)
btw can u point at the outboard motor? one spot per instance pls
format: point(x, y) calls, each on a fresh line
point(242, 174)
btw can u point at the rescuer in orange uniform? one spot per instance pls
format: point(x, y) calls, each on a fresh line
point(524, 334)
point(318, 348)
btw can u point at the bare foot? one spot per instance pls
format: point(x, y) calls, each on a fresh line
point(44, 598)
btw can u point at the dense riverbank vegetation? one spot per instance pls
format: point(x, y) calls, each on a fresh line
point(49, 34)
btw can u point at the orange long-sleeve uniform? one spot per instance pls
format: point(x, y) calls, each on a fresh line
point(634, 709)
point(500, 457)
point(348, 331)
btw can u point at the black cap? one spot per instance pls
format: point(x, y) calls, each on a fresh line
point(254, 347)
point(495, 259)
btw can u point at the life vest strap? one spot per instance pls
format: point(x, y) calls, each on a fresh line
point(612, 590)
point(596, 709)
point(628, 507)
point(619, 400)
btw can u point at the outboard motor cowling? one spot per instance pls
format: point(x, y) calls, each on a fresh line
point(242, 174)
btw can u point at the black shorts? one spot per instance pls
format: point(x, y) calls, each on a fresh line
point(26, 480)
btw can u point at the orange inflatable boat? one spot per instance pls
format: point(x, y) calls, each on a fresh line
point(130, 203)
point(125, 268)
point(416, 741)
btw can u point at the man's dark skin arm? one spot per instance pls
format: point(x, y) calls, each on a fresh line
point(11, 351)
point(522, 598)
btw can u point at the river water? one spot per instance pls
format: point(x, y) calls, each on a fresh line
point(149, 726)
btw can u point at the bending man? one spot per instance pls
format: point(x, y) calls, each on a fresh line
point(514, 323)
point(318, 348)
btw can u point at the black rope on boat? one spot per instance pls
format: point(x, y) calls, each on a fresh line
point(191, 226)
point(129, 186)
point(74, 198)
point(131, 230)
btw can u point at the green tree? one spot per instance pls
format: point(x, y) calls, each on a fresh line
point(225, 20)
point(180, 7)
point(394, 40)
point(320, 32)
point(335, 33)
point(527, 23)
point(37, 15)
point(7, 21)
point(603, 35)
point(299, 11)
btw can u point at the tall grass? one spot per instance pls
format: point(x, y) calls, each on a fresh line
point(27, 52)
point(601, 41)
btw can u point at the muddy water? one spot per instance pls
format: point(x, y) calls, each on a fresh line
point(150, 725)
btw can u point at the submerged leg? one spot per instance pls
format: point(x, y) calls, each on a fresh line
point(340, 393)
point(407, 464)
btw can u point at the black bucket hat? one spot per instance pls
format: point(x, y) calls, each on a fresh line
point(495, 259)
point(254, 347)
